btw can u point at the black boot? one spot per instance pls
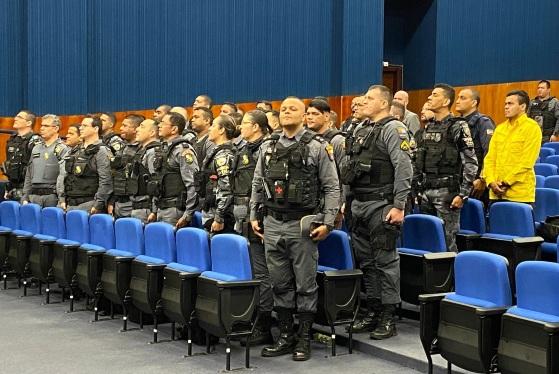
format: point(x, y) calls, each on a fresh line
point(287, 339)
point(302, 351)
point(371, 320)
point(386, 327)
point(261, 334)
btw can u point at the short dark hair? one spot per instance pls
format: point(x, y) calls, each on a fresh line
point(323, 98)
point(228, 123)
point(96, 122)
point(321, 105)
point(31, 117)
point(135, 119)
point(259, 117)
point(165, 108)
point(232, 105)
point(237, 117)
point(448, 92)
point(274, 113)
point(475, 95)
point(547, 83)
point(400, 108)
point(265, 102)
point(74, 126)
point(206, 113)
point(111, 116)
point(522, 96)
point(385, 92)
point(178, 120)
point(208, 99)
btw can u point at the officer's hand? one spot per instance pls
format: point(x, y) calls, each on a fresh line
point(23, 202)
point(457, 202)
point(182, 222)
point(395, 216)
point(93, 211)
point(554, 138)
point(152, 217)
point(257, 229)
point(217, 227)
point(342, 208)
point(63, 206)
point(479, 187)
point(320, 233)
point(110, 209)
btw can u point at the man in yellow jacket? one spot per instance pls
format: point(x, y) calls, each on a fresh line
point(513, 150)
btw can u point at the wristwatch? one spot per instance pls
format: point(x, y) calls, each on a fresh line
point(464, 197)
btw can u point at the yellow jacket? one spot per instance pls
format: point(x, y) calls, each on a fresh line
point(513, 151)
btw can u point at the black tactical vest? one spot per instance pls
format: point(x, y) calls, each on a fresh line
point(167, 178)
point(439, 156)
point(121, 165)
point(82, 179)
point(539, 111)
point(139, 178)
point(243, 169)
point(291, 181)
point(369, 169)
point(475, 131)
point(18, 153)
point(200, 147)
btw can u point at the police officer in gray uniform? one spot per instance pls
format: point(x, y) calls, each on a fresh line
point(108, 136)
point(87, 175)
point(446, 163)
point(18, 153)
point(173, 181)
point(544, 109)
point(379, 173)
point(294, 171)
point(43, 182)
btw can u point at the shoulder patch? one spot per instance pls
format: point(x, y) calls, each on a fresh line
point(330, 150)
point(489, 131)
point(466, 129)
point(221, 161)
point(402, 132)
point(117, 146)
point(405, 146)
point(188, 156)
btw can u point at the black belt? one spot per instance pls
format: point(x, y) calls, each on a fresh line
point(73, 201)
point(165, 204)
point(121, 199)
point(141, 205)
point(43, 191)
point(289, 216)
point(440, 182)
point(241, 200)
point(375, 196)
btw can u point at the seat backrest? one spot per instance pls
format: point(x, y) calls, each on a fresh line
point(552, 160)
point(551, 182)
point(129, 235)
point(540, 180)
point(545, 169)
point(30, 216)
point(230, 256)
point(102, 231)
point(547, 203)
point(197, 220)
point(552, 145)
point(77, 226)
point(546, 152)
point(9, 214)
point(483, 275)
point(536, 286)
point(472, 216)
point(52, 222)
point(335, 251)
point(160, 241)
point(510, 218)
point(424, 232)
point(193, 248)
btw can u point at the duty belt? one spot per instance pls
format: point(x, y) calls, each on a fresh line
point(121, 199)
point(241, 200)
point(141, 204)
point(374, 196)
point(73, 201)
point(439, 182)
point(289, 216)
point(43, 191)
point(169, 203)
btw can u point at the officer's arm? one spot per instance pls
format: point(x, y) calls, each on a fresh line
point(398, 148)
point(223, 195)
point(188, 166)
point(488, 172)
point(556, 113)
point(465, 144)
point(525, 162)
point(329, 183)
point(256, 198)
point(413, 123)
point(105, 189)
point(27, 183)
point(487, 127)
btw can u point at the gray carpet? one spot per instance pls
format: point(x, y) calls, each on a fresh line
point(44, 339)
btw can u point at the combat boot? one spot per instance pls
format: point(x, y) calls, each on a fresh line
point(302, 351)
point(287, 339)
point(371, 319)
point(387, 326)
point(261, 333)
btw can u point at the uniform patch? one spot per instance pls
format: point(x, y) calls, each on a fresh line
point(116, 146)
point(402, 132)
point(58, 149)
point(188, 156)
point(405, 146)
point(78, 170)
point(221, 161)
point(466, 130)
point(46, 156)
point(489, 131)
point(245, 160)
point(330, 150)
point(223, 170)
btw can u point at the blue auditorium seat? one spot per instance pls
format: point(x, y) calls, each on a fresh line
point(552, 145)
point(472, 217)
point(334, 252)
point(65, 257)
point(530, 330)
point(545, 169)
point(227, 299)
point(552, 160)
point(552, 182)
point(9, 221)
point(508, 220)
point(540, 180)
point(197, 220)
point(117, 262)
point(546, 152)
point(463, 326)
point(547, 204)
point(180, 278)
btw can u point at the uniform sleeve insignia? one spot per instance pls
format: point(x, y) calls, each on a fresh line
point(489, 131)
point(116, 146)
point(402, 132)
point(330, 150)
point(466, 130)
point(46, 155)
point(223, 170)
point(78, 170)
point(221, 161)
point(188, 156)
point(405, 146)
point(245, 160)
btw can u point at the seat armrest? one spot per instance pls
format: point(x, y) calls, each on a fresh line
point(124, 258)
point(156, 266)
point(247, 283)
point(551, 327)
point(531, 240)
point(439, 255)
point(432, 297)
point(490, 311)
point(185, 275)
point(351, 273)
point(47, 241)
point(95, 253)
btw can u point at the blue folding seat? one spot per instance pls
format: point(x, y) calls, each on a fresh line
point(540, 180)
point(552, 160)
point(425, 264)
point(552, 145)
point(547, 205)
point(146, 279)
point(463, 326)
point(545, 169)
point(65, 257)
point(90, 256)
point(9, 220)
point(551, 182)
point(197, 220)
point(180, 278)
point(339, 284)
point(53, 227)
point(545, 152)
point(530, 330)
point(227, 299)
point(20, 241)
point(472, 217)
point(117, 262)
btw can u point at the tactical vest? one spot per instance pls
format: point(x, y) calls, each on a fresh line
point(243, 170)
point(167, 178)
point(121, 167)
point(439, 157)
point(139, 179)
point(369, 170)
point(82, 179)
point(200, 147)
point(474, 130)
point(291, 184)
point(18, 152)
point(330, 134)
point(539, 111)
point(45, 162)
